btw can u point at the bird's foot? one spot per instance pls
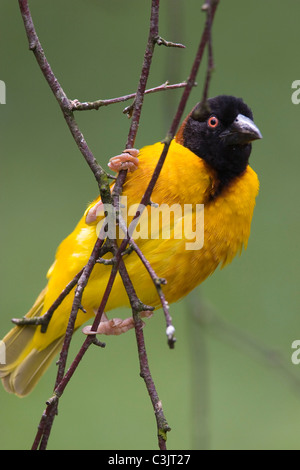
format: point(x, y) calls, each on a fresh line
point(115, 326)
point(127, 160)
point(94, 212)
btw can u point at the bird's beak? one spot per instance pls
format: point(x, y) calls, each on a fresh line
point(241, 131)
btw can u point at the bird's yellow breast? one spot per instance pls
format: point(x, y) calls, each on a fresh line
point(185, 179)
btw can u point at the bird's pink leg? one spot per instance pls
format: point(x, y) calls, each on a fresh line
point(115, 326)
point(127, 160)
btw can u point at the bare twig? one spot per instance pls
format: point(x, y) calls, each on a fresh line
point(162, 42)
point(51, 410)
point(158, 282)
point(146, 200)
point(88, 105)
point(45, 319)
point(63, 101)
point(210, 65)
point(162, 425)
point(101, 177)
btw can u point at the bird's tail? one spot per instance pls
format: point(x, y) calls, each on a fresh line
point(24, 364)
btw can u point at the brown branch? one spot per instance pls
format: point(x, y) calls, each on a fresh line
point(210, 65)
point(162, 42)
point(63, 101)
point(161, 422)
point(65, 105)
point(45, 319)
point(147, 195)
point(88, 105)
point(102, 180)
point(158, 282)
point(51, 411)
point(101, 177)
point(146, 200)
point(139, 99)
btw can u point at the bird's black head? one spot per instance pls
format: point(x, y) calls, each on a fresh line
point(221, 133)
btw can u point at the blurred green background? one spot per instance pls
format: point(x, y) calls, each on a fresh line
point(230, 382)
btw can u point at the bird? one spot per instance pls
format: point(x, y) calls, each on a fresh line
point(207, 165)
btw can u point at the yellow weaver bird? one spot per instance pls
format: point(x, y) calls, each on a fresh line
point(207, 163)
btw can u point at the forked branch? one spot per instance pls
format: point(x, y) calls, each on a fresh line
point(80, 281)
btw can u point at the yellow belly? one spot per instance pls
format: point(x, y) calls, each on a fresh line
point(185, 179)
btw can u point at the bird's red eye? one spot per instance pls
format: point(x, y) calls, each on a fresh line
point(213, 122)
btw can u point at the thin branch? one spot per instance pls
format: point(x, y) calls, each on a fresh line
point(210, 65)
point(119, 262)
point(88, 105)
point(51, 410)
point(102, 180)
point(45, 319)
point(117, 190)
point(162, 425)
point(63, 101)
point(75, 307)
point(144, 202)
point(162, 42)
point(158, 282)
point(139, 99)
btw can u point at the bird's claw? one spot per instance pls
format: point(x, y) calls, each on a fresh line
point(115, 326)
point(127, 160)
